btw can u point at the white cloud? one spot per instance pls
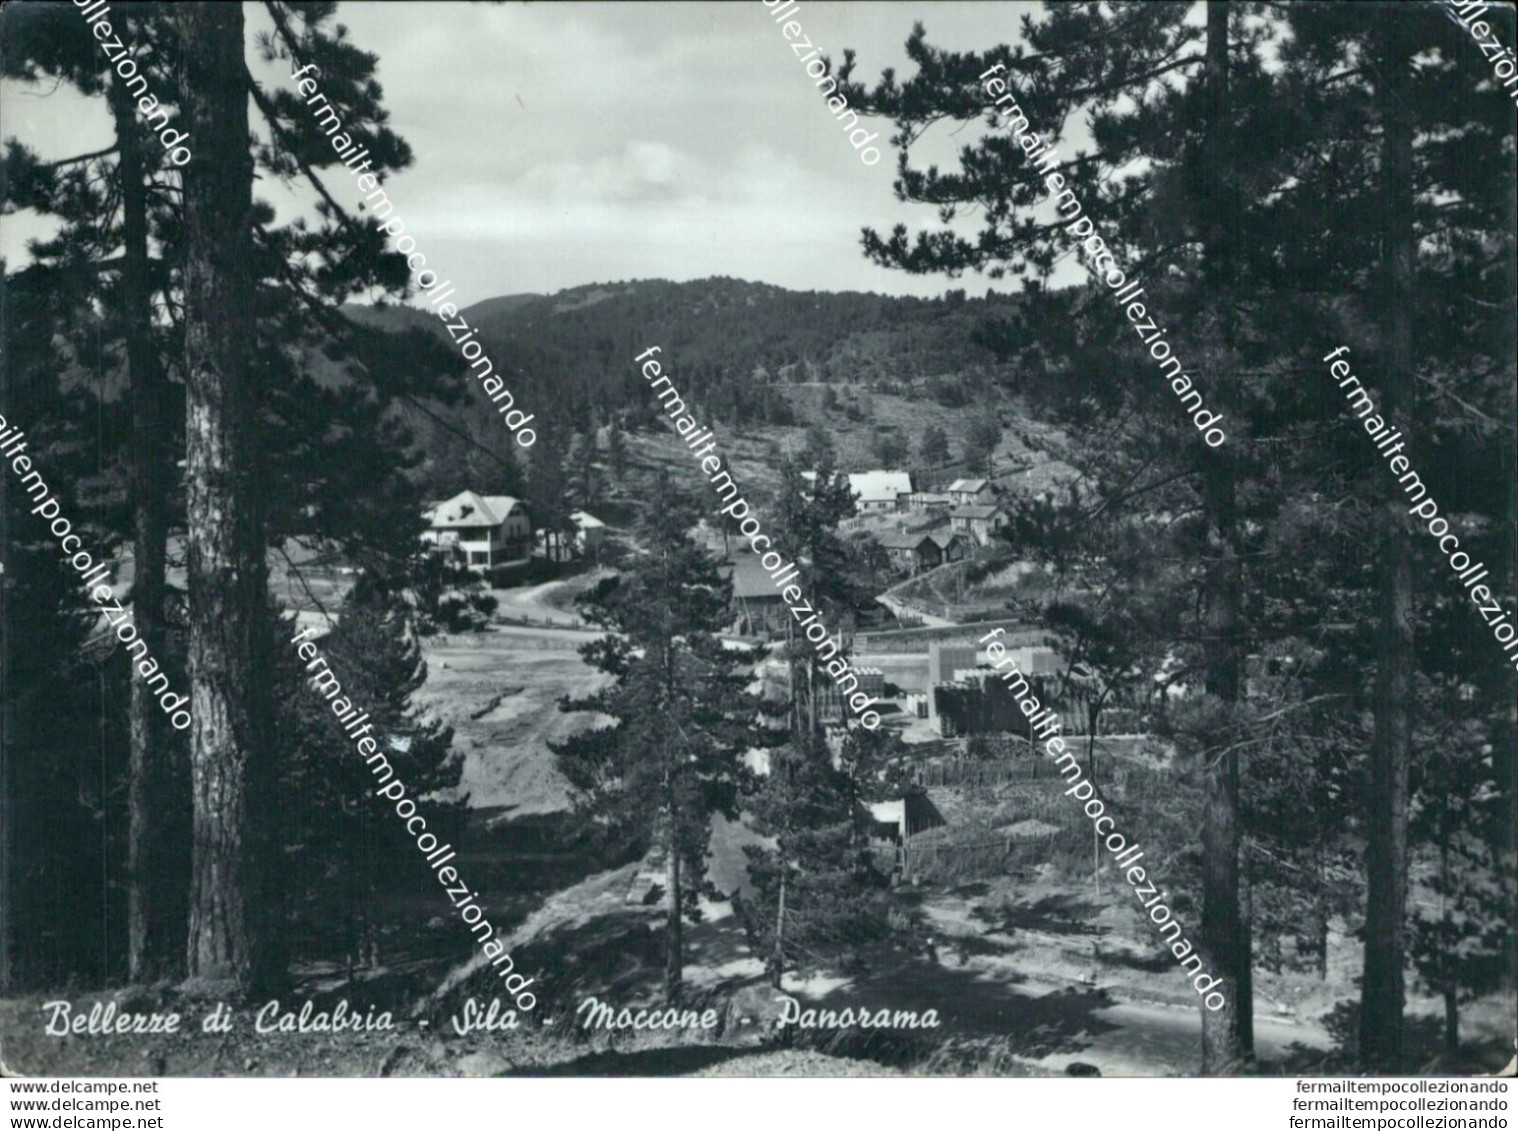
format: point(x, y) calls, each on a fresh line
point(561, 144)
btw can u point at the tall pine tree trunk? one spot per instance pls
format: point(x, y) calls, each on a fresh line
point(1227, 1033)
point(1225, 947)
point(777, 959)
point(1382, 993)
point(156, 882)
point(228, 664)
point(674, 940)
point(1450, 964)
point(1451, 1009)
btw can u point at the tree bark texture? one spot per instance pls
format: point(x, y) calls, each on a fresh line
point(226, 559)
point(1227, 1033)
point(1382, 994)
point(156, 882)
point(674, 942)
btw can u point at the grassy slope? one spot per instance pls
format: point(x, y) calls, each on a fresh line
point(1022, 464)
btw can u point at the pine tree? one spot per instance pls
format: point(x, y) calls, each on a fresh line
point(810, 504)
point(817, 894)
point(548, 500)
point(980, 445)
point(616, 452)
point(343, 846)
point(890, 450)
point(584, 476)
point(671, 760)
point(63, 694)
point(229, 650)
point(54, 42)
point(934, 446)
point(819, 450)
point(1391, 746)
point(1458, 946)
point(1429, 129)
point(1108, 57)
point(127, 196)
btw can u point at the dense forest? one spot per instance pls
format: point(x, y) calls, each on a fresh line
point(1284, 178)
point(209, 390)
point(734, 339)
point(133, 350)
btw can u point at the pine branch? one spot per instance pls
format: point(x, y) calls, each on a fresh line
point(1465, 404)
point(275, 126)
point(79, 159)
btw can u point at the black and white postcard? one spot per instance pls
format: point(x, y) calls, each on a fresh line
point(774, 538)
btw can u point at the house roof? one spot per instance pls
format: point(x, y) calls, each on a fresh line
point(750, 581)
point(975, 485)
point(471, 510)
point(880, 486)
point(943, 539)
point(915, 811)
point(901, 540)
point(586, 521)
point(980, 510)
point(503, 506)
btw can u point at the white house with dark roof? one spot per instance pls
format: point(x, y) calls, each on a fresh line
point(978, 522)
point(971, 492)
point(482, 530)
point(876, 492)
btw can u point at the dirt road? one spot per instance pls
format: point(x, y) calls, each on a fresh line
point(547, 604)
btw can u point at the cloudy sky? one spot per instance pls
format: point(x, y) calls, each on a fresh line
point(566, 143)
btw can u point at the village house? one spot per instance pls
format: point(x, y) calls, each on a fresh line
point(971, 492)
point(904, 817)
point(757, 604)
point(912, 553)
point(978, 522)
point(929, 502)
point(583, 542)
point(481, 531)
point(879, 492)
point(590, 532)
point(952, 546)
point(894, 824)
point(829, 702)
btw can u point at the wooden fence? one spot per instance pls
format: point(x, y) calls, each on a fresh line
point(992, 771)
point(976, 771)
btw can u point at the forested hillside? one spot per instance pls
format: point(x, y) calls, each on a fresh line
point(1206, 562)
point(726, 339)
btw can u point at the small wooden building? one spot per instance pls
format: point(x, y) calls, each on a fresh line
point(757, 603)
point(911, 553)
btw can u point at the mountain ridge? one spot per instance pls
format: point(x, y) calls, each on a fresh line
point(716, 329)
